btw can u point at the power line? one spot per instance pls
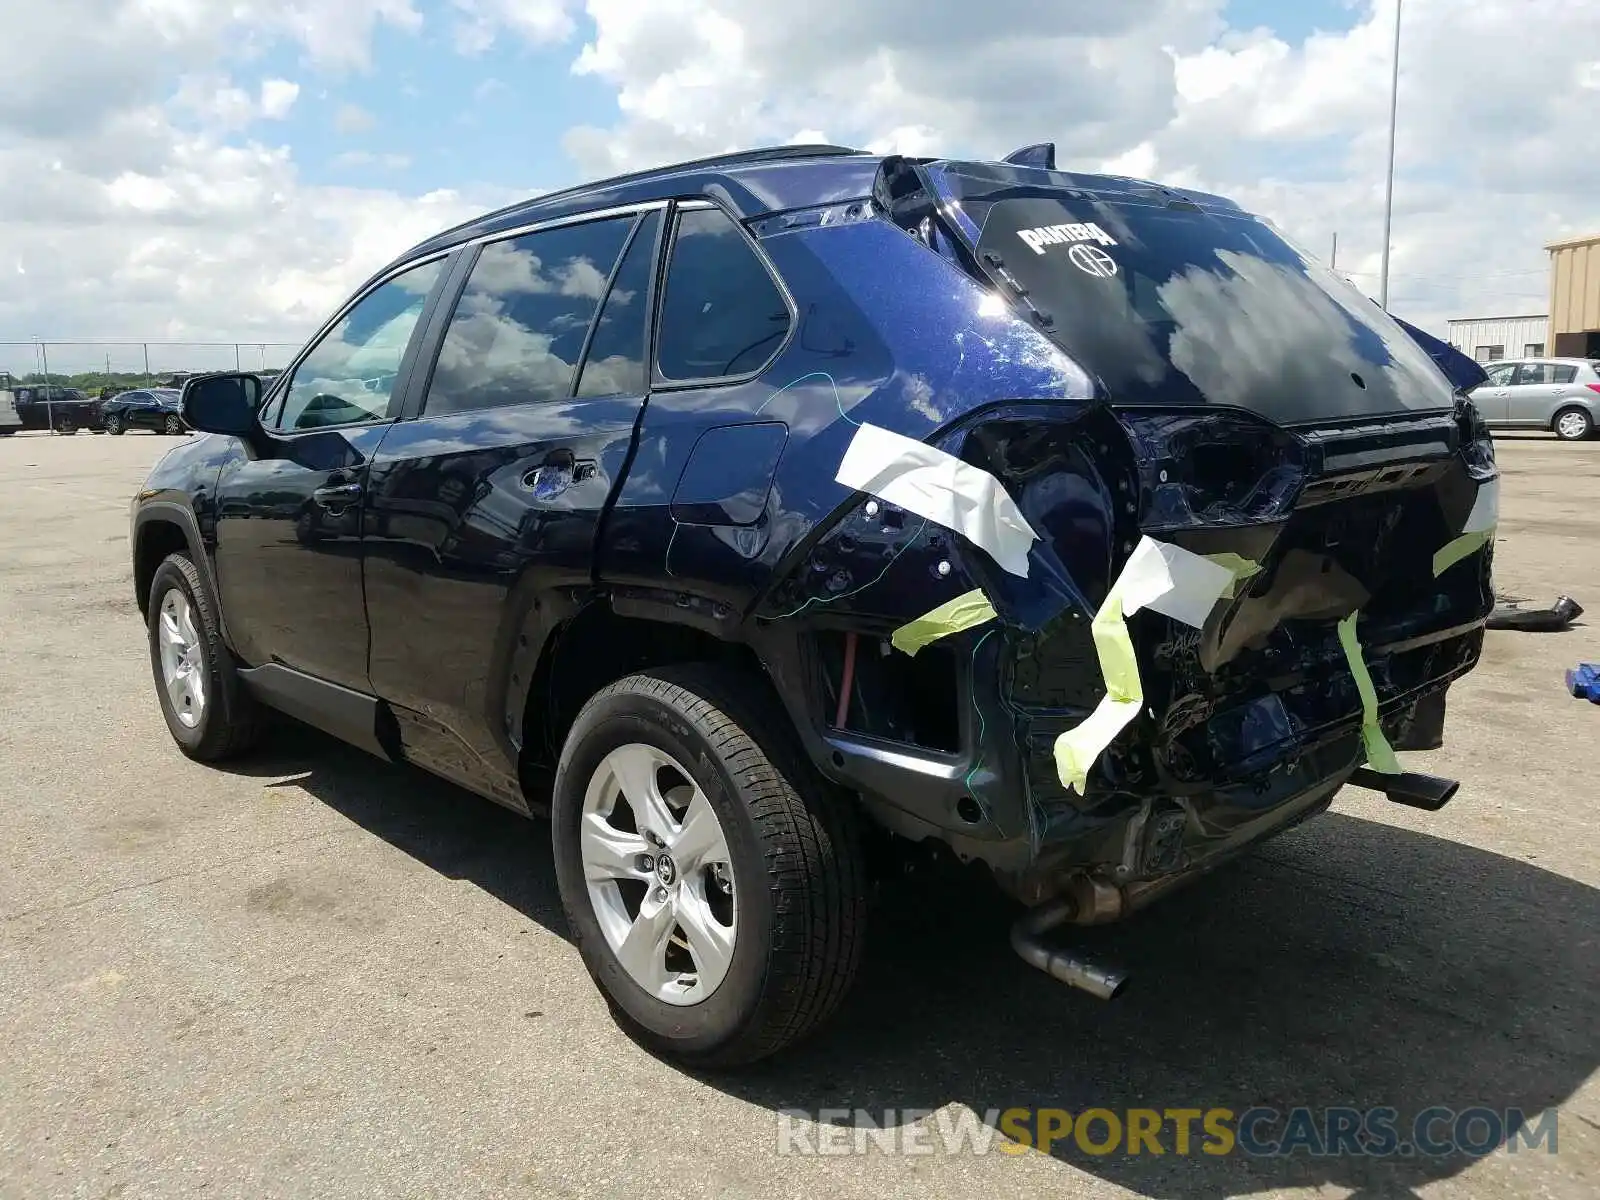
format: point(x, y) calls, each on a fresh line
point(1452, 278)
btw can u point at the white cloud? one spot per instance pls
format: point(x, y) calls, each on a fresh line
point(700, 76)
point(366, 158)
point(478, 22)
point(1493, 145)
point(277, 98)
point(138, 194)
point(134, 200)
point(1492, 160)
point(352, 118)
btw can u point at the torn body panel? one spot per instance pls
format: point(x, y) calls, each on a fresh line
point(1249, 723)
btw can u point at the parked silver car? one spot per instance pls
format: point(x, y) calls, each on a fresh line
point(1561, 394)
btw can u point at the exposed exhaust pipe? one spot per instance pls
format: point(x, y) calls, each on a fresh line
point(1428, 792)
point(1071, 969)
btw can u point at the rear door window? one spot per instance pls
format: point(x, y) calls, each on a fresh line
point(1564, 372)
point(1532, 374)
point(722, 313)
point(520, 326)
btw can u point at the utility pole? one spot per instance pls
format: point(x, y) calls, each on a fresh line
point(1388, 191)
point(49, 392)
point(1333, 259)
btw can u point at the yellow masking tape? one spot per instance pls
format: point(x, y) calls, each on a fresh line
point(1241, 567)
point(951, 617)
point(1076, 749)
point(1380, 755)
point(1462, 547)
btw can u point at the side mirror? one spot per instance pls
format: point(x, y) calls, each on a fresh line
point(224, 403)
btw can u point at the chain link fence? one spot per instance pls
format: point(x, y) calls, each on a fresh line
point(67, 377)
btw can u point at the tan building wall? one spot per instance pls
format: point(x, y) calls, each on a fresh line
point(1575, 297)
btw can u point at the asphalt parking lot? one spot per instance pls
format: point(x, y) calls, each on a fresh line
point(314, 974)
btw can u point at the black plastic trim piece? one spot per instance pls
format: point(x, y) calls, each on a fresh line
point(349, 715)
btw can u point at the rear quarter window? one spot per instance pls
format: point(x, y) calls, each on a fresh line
point(722, 313)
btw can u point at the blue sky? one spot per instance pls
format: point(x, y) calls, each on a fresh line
point(426, 116)
point(155, 155)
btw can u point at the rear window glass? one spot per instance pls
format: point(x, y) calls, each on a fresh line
point(1169, 304)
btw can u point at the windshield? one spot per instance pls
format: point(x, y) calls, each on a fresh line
point(1171, 304)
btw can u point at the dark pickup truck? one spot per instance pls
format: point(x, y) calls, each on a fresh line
point(64, 409)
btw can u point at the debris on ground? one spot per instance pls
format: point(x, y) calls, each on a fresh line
point(1584, 682)
point(1557, 617)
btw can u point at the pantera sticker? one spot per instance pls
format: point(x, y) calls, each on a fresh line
point(1063, 235)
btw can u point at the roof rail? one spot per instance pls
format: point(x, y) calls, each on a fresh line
point(734, 158)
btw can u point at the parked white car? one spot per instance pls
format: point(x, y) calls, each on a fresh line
point(1559, 394)
point(10, 421)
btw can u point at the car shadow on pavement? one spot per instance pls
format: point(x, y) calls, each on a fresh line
point(1348, 963)
point(444, 827)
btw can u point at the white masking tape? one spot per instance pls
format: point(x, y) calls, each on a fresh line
point(923, 479)
point(1485, 512)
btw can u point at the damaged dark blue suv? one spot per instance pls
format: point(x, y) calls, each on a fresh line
point(764, 517)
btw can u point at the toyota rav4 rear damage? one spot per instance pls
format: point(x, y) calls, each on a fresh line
point(1242, 433)
point(1078, 525)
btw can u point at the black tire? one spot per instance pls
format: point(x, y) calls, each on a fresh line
point(1572, 431)
point(174, 426)
point(66, 427)
point(114, 425)
point(230, 722)
point(794, 849)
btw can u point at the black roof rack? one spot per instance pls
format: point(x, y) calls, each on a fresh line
point(735, 158)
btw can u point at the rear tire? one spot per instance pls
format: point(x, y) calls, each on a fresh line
point(66, 427)
point(114, 426)
point(174, 426)
point(207, 709)
point(1573, 424)
point(791, 862)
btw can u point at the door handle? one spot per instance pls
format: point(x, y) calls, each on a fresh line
point(337, 495)
point(549, 480)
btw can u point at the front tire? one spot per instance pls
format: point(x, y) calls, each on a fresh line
point(207, 709)
point(712, 879)
point(1573, 424)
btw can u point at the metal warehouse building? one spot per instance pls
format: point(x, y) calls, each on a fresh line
point(1575, 297)
point(1490, 338)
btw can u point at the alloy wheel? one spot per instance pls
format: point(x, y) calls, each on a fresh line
point(659, 874)
point(183, 669)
